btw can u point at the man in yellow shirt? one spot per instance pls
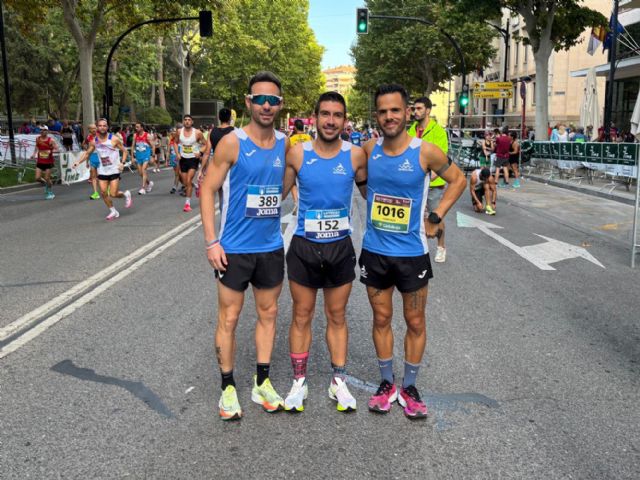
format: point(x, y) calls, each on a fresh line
point(429, 130)
point(298, 136)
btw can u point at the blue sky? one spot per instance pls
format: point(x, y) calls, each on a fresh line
point(334, 23)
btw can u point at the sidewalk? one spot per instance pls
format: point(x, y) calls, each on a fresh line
point(581, 211)
point(598, 188)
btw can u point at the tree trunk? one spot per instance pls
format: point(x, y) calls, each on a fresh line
point(160, 77)
point(541, 57)
point(181, 59)
point(186, 90)
point(86, 83)
point(152, 100)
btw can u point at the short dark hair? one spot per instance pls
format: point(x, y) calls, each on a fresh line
point(485, 173)
point(298, 124)
point(186, 115)
point(265, 76)
point(505, 129)
point(330, 97)
point(224, 115)
point(425, 101)
point(392, 88)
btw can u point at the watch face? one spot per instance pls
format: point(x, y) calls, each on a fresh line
point(434, 218)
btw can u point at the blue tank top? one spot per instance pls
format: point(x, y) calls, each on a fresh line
point(397, 189)
point(252, 197)
point(325, 188)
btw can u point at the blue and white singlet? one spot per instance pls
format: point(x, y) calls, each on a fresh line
point(325, 188)
point(252, 198)
point(397, 189)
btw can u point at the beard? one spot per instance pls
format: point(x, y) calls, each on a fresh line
point(255, 116)
point(395, 132)
point(327, 139)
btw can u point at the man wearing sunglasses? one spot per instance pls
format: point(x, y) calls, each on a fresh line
point(190, 142)
point(321, 255)
point(249, 166)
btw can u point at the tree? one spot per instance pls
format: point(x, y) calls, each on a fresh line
point(550, 25)
point(415, 54)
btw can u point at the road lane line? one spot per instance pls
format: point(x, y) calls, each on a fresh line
point(87, 297)
point(28, 319)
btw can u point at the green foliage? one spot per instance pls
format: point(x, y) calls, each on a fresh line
point(359, 106)
point(417, 55)
point(156, 116)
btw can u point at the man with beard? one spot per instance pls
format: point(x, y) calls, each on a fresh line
point(395, 252)
point(321, 254)
point(108, 146)
point(190, 141)
point(249, 165)
point(45, 148)
point(142, 151)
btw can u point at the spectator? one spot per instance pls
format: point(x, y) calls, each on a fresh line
point(579, 136)
point(67, 136)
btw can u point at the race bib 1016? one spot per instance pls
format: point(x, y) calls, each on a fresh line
point(263, 201)
point(326, 224)
point(391, 214)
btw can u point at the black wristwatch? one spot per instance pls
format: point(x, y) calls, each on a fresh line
point(434, 218)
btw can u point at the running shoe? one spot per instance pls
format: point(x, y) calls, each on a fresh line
point(50, 195)
point(409, 399)
point(387, 394)
point(294, 402)
point(187, 207)
point(339, 392)
point(266, 396)
point(173, 190)
point(516, 183)
point(489, 210)
point(142, 191)
point(229, 405)
point(113, 215)
point(127, 199)
point(149, 186)
point(441, 255)
point(94, 196)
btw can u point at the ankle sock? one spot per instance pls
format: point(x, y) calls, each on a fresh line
point(262, 371)
point(386, 369)
point(227, 379)
point(410, 374)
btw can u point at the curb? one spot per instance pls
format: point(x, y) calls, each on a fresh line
point(19, 188)
point(586, 191)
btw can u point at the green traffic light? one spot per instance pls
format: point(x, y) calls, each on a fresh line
point(464, 101)
point(362, 26)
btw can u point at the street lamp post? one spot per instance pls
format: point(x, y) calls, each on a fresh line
point(206, 30)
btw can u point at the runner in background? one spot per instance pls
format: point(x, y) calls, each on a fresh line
point(173, 159)
point(190, 142)
point(298, 136)
point(43, 154)
point(142, 150)
point(482, 187)
point(93, 162)
point(514, 158)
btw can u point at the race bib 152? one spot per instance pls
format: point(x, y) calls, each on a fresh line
point(326, 224)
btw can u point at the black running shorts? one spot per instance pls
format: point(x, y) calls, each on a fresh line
point(44, 166)
point(321, 265)
point(479, 194)
point(109, 178)
point(187, 164)
point(262, 270)
point(407, 274)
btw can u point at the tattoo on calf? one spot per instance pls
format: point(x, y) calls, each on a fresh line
point(219, 355)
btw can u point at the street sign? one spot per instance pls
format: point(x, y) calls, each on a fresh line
point(492, 86)
point(493, 94)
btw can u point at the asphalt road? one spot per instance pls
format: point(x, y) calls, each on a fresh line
point(529, 373)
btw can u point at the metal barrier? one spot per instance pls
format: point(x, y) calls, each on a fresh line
point(617, 162)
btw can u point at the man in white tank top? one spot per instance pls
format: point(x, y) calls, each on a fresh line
point(190, 143)
point(482, 185)
point(108, 147)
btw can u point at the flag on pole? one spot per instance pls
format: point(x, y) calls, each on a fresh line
point(598, 35)
point(613, 23)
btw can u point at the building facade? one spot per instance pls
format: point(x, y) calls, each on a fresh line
point(340, 79)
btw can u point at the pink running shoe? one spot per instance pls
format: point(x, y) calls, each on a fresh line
point(113, 215)
point(409, 399)
point(127, 199)
point(187, 208)
point(387, 394)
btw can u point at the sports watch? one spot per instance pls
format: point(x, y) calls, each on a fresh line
point(434, 218)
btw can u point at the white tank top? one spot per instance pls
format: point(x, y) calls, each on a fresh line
point(479, 182)
point(188, 144)
point(109, 156)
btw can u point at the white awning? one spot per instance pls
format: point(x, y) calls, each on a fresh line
point(629, 67)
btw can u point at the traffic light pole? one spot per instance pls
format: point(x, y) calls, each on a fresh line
point(108, 93)
point(456, 46)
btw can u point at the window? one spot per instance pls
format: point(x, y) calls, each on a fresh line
point(526, 54)
point(533, 94)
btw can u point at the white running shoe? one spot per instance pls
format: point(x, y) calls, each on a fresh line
point(142, 191)
point(441, 255)
point(338, 391)
point(113, 215)
point(149, 186)
point(297, 395)
point(127, 199)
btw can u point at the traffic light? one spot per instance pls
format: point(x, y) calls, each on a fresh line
point(362, 21)
point(464, 99)
point(206, 24)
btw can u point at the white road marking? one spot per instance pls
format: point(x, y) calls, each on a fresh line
point(31, 317)
point(69, 309)
point(541, 255)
